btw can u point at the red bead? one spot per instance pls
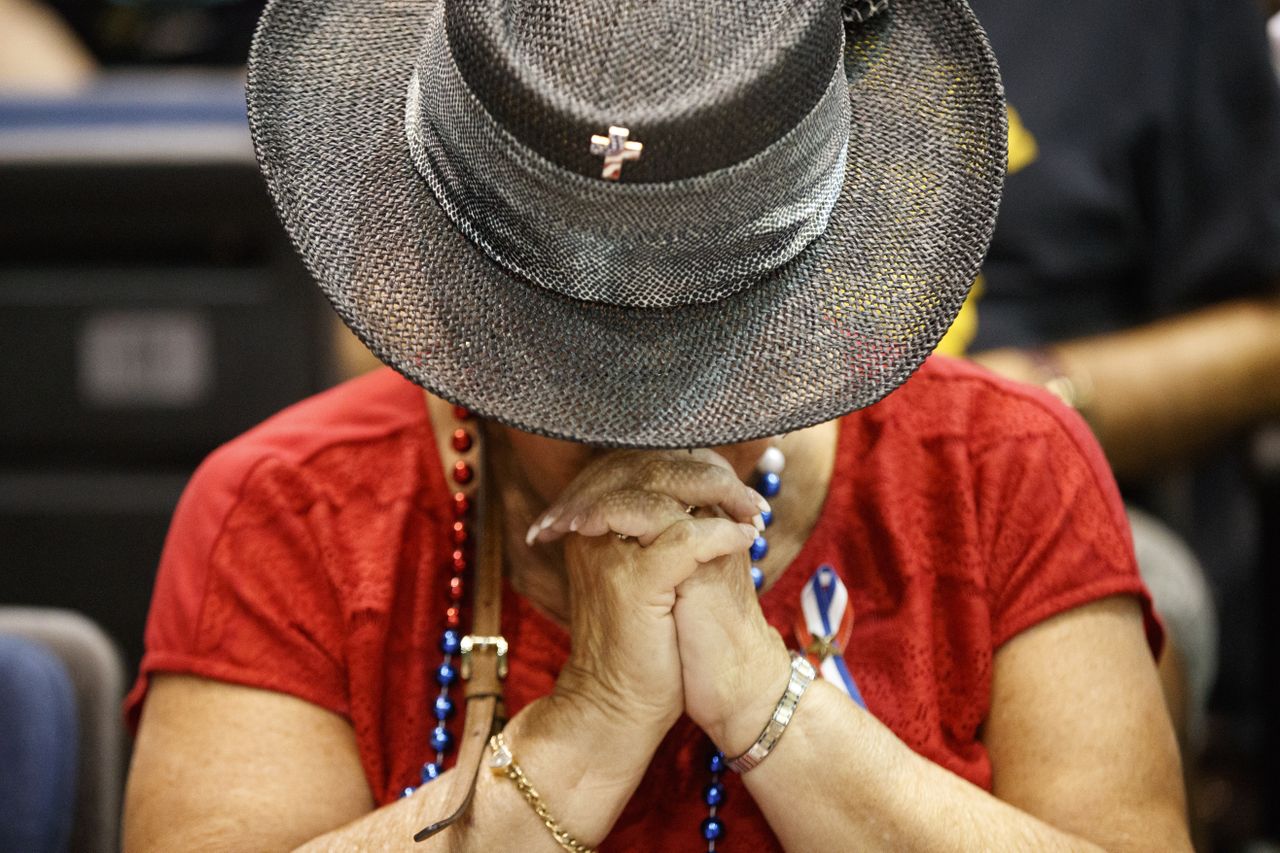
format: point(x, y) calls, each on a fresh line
point(462, 473)
point(460, 533)
point(455, 588)
point(459, 561)
point(461, 505)
point(453, 617)
point(462, 413)
point(461, 440)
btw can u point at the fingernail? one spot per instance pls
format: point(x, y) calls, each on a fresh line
point(534, 530)
point(758, 521)
point(547, 521)
point(760, 501)
point(573, 525)
point(748, 530)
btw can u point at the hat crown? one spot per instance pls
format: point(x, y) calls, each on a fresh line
point(702, 85)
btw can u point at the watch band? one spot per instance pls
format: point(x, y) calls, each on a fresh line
point(802, 673)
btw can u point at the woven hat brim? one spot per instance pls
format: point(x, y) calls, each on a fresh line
point(836, 329)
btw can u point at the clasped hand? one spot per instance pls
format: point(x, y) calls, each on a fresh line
point(664, 616)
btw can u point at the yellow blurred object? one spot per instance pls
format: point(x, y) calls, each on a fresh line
point(1023, 151)
point(957, 339)
point(352, 357)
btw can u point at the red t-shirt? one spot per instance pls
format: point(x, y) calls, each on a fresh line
point(309, 556)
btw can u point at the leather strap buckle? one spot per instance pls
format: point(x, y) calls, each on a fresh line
point(476, 641)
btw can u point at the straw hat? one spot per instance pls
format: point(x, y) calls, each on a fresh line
point(663, 223)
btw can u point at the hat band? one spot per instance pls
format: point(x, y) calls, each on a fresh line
point(644, 245)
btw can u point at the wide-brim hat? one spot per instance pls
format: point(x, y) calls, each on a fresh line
point(668, 223)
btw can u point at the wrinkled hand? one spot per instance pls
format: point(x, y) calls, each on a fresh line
point(734, 665)
point(667, 620)
point(625, 659)
point(624, 492)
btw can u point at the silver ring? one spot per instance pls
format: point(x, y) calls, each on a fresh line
point(690, 510)
point(622, 536)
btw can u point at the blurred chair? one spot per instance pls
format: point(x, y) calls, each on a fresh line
point(97, 675)
point(39, 739)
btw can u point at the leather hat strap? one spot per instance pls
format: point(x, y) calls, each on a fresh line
point(484, 650)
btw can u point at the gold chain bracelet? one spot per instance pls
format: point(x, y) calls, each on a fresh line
point(504, 763)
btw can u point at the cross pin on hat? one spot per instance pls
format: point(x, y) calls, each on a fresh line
point(616, 149)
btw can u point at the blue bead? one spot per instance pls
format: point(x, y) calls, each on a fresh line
point(713, 794)
point(759, 548)
point(767, 515)
point(446, 675)
point(441, 740)
point(407, 792)
point(712, 829)
point(451, 642)
point(716, 764)
point(443, 707)
point(757, 577)
point(430, 771)
point(770, 484)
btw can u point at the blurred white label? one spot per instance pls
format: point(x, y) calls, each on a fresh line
point(145, 358)
point(1273, 36)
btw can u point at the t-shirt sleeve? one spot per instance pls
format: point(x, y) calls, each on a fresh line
point(1213, 169)
point(1052, 521)
point(242, 595)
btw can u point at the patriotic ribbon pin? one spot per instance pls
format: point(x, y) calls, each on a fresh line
point(824, 627)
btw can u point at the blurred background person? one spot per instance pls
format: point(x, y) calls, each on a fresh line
point(1135, 272)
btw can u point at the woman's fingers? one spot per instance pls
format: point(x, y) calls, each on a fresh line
point(634, 513)
point(695, 482)
point(645, 516)
point(699, 478)
point(692, 541)
point(672, 556)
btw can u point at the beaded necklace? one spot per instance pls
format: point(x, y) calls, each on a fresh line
point(462, 474)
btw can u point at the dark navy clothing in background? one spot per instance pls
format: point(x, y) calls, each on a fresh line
point(1156, 187)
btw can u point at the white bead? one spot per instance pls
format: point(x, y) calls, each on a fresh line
point(772, 461)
